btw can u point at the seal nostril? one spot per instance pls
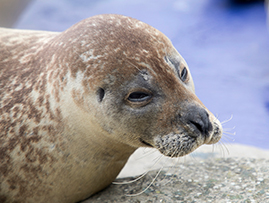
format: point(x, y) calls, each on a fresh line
point(199, 119)
point(200, 126)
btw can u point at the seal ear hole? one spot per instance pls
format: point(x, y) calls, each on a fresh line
point(100, 94)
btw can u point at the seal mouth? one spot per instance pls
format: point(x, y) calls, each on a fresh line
point(145, 143)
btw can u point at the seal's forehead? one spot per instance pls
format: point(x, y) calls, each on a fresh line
point(121, 25)
point(110, 44)
point(110, 33)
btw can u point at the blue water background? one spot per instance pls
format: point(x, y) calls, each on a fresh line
point(225, 45)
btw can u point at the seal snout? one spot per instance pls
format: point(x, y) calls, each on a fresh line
point(198, 120)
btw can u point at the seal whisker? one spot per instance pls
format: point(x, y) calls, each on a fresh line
point(174, 153)
point(213, 148)
point(221, 149)
point(131, 181)
point(132, 195)
point(228, 129)
point(226, 121)
point(174, 165)
point(170, 168)
point(158, 159)
point(229, 133)
point(141, 176)
point(146, 153)
point(224, 147)
point(228, 138)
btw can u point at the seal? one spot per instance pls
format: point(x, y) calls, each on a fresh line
point(75, 105)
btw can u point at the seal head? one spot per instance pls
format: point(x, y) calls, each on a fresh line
point(146, 93)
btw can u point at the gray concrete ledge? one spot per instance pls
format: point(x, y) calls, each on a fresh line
point(213, 180)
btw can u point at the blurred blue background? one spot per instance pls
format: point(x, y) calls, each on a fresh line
point(225, 44)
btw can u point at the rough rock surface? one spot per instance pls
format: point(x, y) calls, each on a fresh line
point(213, 180)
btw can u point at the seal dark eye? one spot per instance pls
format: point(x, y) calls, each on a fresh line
point(183, 75)
point(139, 97)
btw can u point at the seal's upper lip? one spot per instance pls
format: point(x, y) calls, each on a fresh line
point(144, 142)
